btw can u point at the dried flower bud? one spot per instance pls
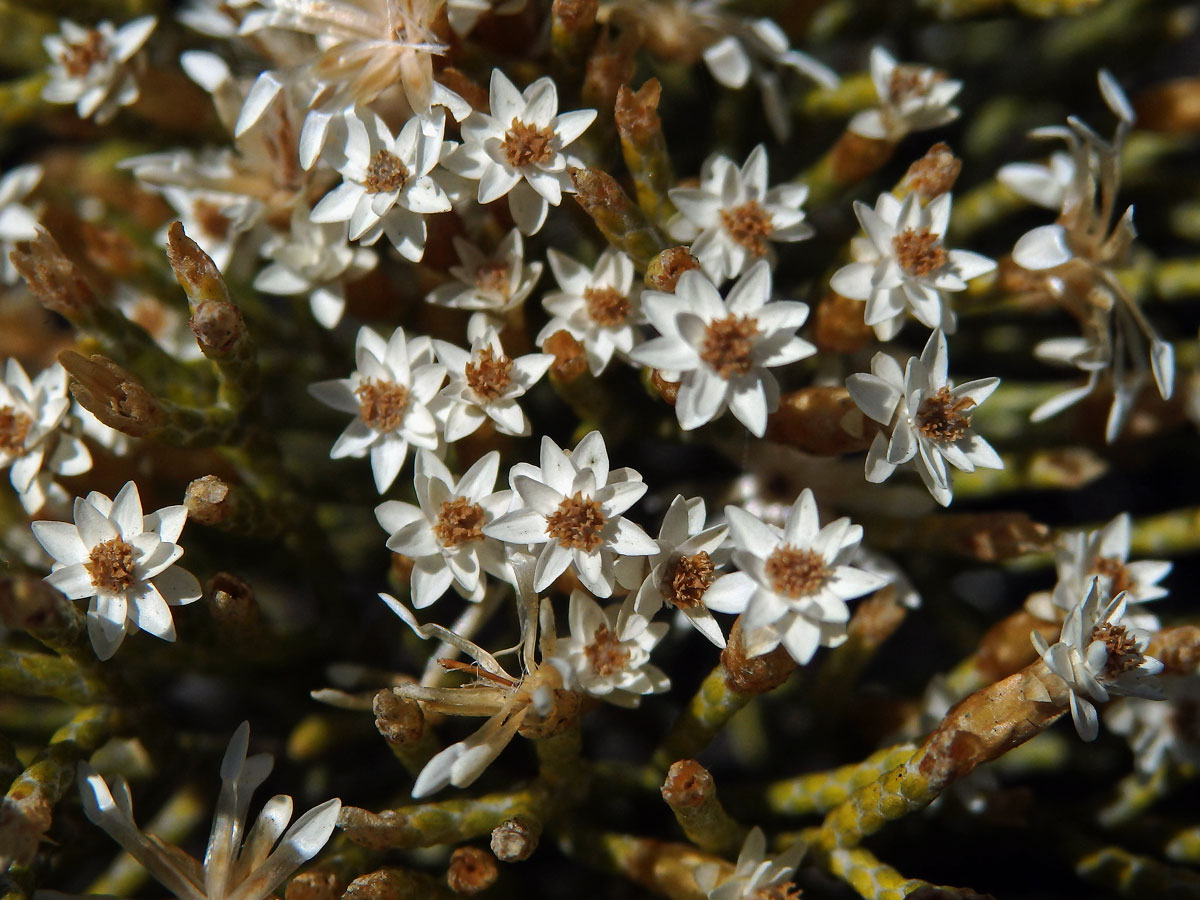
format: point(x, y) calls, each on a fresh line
point(823, 421)
point(52, 278)
point(934, 173)
point(471, 870)
point(756, 674)
point(574, 15)
point(688, 784)
point(662, 274)
point(838, 325)
point(855, 157)
point(669, 390)
point(398, 719)
point(111, 394)
point(194, 269)
point(207, 499)
point(515, 839)
point(217, 325)
point(569, 359)
point(636, 112)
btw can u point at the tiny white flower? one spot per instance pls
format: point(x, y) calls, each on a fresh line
point(518, 150)
point(17, 221)
point(720, 349)
point(1162, 732)
point(485, 384)
point(444, 535)
point(911, 98)
point(489, 286)
point(387, 188)
point(90, 66)
point(686, 564)
point(732, 215)
point(929, 418)
point(239, 862)
point(124, 561)
point(1044, 185)
point(216, 220)
point(605, 664)
point(599, 307)
point(1096, 655)
point(34, 445)
point(902, 264)
point(794, 582)
point(756, 876)
point(572, 506)
point(314, 259)
point(388, 393)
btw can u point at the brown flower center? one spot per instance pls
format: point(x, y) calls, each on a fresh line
point(606, 306)
point(489, 375)
point(1123, 652)
point(211, 220)
point(796, 573)
point(577, 523)
point(526, 145)
point(385, 173)
point(381, 404)
point(493, 277)
point(748, 225)
point(686, 580)
point(910, 82)
point(110, 566)
point(940, 417)
point(728, 344)
point(605, 653)
point(1115, 570)
point(79, 58)
point(461, 521)
point(14, 428)
point(919, 251)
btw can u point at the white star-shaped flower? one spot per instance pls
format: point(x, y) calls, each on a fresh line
point(444, 535)
point(34, 445)
point(389, 394)
point(720, 349)
point(90, 66)
point(756, 875)
point(605, 664)
point(794, 582)
point(929, 418)
point(902, 263)
point(1097, 655)
point(519, 149)
point(732, 215)
point(485, 384)
point(599, 307)
point(387, 187)
point(17, 221)
point(314, 259)
point(911, 98)
point(238, 863)
point(686, 564)
point(124, 561)
point(489, 286)
point(572, 506)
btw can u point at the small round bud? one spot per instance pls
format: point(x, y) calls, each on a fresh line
point(471, 870)
point(515, 840)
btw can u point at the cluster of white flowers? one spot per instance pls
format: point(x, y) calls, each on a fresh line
point(91, 67)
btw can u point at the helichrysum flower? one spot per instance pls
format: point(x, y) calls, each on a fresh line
point(34, 446)
point(685, 566)
point(485, 383)
point(902, 264)
point(572, 506)
point(386, 187)
point(239, 863)
point(388, 393)
point(444, 534)
point(124, 561)
point(604, 664)
point(720, 349)
point(929, 418)
point(90, 66)
point(599, 306)
point(314, 259)
point(757, 876)
point(489, 286)
point(518, 150)
point(1097, 655)
point(911, 98)
point(794, 582)
point(17, 221)
point(730, 218)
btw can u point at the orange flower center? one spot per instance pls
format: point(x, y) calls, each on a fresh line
point(110, 566)
point(577, 523)
point(728, 344)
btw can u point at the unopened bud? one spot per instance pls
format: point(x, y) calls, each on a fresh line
point(569, 359)
point(688, 784)
point(934, 173)
point(662, 274)
point(398, 719)
point(471, 870)
point(636, 112)
point(111, 394)
point(822, 420)
point(515, 839)
point(838, 325)
point(207, 500)
point(53, 279)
